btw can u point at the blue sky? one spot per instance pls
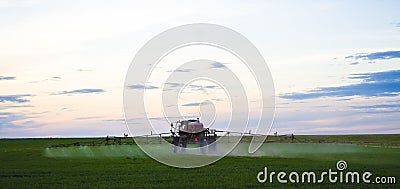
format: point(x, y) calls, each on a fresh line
point(335, 64)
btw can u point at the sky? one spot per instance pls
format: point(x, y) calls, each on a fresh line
point(335, 64)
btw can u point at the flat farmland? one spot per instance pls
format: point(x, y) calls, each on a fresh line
point(30, 163)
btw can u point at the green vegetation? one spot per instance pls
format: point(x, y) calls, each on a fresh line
point(26, 164)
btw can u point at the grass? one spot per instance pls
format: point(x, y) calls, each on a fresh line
point(24, 164)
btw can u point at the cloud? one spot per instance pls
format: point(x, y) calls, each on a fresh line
point(192, 104)
point(15, 98)
point(345, 120)
point(7, 119)
point(385, 55)
point(210, 87)
point(173, 85)
point(383, 77)
point(15, 106)
point(378, 106)
point(217, 65)
point(196, 104)
point(6, 78)
point(181, 70)
point(142, 87)
point(53, 78)
point(116, 120)
point(354, 63)
point(373, 84)
point(380, 111)
point(16, 122)
point(203, 87)
point(80, 91)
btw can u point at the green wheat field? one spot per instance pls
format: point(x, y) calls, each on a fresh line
point(66, 163)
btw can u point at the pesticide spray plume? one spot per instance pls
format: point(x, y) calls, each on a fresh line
point(283, 150)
